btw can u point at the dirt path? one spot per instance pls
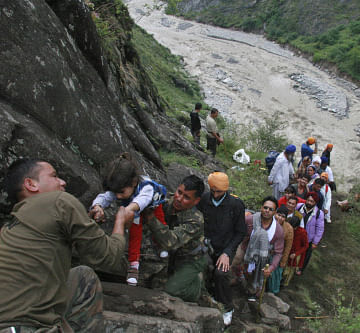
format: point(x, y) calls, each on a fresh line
point(247, 77)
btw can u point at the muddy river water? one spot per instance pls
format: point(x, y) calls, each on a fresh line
point(247, 77)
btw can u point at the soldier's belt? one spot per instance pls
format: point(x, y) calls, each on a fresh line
point(200, 249)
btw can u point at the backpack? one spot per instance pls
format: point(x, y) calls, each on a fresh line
point(159, 192)
point(270, 159)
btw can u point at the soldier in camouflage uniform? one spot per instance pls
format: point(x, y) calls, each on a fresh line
point(39, 292)
point(183, 238)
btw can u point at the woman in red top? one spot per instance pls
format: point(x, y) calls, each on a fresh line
point(298, 250)
point(289, 192)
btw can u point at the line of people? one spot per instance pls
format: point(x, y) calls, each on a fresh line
point(290, 224)
point(202, 235)
point(313, 174)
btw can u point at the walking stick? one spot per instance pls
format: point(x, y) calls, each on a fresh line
point(289, 271)
point(262, 291)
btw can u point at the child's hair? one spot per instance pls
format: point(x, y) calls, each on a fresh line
point(120, 173)
point(294, 221)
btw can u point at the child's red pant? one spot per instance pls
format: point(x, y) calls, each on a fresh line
point(135, 235)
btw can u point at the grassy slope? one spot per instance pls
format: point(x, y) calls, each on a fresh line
point(174, 85)
point(331, 282)
point(164, 69)
point(328, 30)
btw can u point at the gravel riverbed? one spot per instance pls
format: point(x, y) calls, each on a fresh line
point(248, 77)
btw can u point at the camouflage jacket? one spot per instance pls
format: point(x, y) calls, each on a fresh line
point(184, 233)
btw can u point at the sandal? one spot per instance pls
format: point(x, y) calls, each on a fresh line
point(298, 273)
point(132, 276)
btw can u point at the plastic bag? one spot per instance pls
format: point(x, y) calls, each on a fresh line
point(243, 158)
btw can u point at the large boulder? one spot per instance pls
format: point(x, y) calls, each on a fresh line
point(152, 303)
point(65, 99)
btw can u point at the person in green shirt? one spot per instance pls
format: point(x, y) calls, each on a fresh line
point(39, 290)
point(183, 237)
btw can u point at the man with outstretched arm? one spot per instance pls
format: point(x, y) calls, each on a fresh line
point(182, 237)
point(40, 292)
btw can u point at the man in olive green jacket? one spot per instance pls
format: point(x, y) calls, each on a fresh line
point(183, 238)
point(39, 290)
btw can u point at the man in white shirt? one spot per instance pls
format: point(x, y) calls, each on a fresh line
point(282, 171)
point(212, 137)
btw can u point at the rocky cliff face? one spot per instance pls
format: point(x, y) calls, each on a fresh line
point(63, 100)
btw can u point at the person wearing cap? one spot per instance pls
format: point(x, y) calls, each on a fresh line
point(213, 138)
point(313, 221)
point(326, 192)
point(316, 161)
point(306, 150)
point(275, 278)
point(224, 228)
point(282, 171)
point(327, 152)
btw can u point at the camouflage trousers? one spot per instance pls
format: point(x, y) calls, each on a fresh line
point(187, 280)
point(84, 308)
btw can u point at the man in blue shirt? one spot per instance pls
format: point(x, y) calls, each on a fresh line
point(306, 149)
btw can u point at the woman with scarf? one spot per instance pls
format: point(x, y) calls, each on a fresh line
point(303, 167)
point(311, 171)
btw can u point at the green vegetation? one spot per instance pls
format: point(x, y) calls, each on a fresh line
point(352, 220)
point(179, 91)
point(249, 182)
point(111, 21)
point(170, 157)
point(340, 45)
point(327, 30)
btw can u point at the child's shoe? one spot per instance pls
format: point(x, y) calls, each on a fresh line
point(163, 254)
point(133, 274)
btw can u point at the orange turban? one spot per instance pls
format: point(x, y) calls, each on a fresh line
point(330, 145)
point(311, 140)
point(325, 174)
point(219, 180)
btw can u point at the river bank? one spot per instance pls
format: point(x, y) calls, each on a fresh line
point(248, 77)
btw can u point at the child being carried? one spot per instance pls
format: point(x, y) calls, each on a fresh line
point(123, 182)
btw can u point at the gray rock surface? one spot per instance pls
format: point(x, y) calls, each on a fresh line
point(152, 303)
point(116, 322)
point(329, 98)
point(63, 100)
point(250, 327)
point(271, 316)
point(276, 302)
